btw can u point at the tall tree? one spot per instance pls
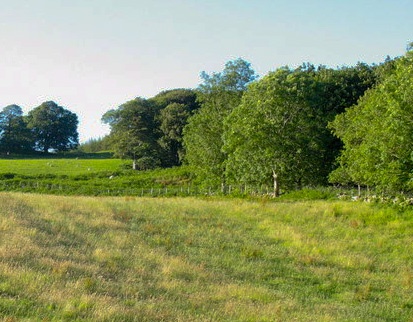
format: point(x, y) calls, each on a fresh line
point(275, 134)
point(218, 95)
point(134, 133)
point(53, 127)
point(378, 133)
point(14, 134)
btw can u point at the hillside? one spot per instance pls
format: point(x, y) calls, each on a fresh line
point(171, 259)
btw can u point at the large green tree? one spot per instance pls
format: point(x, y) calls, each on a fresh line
point(53, 127)
point(378, 133)
point(278, 133)
point(135, 132)
point(275, 134)
point(218, 95)
point(14, 134)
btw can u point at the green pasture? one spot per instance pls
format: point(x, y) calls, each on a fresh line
point(188, 259)
point(69, 167)
point(77, 176)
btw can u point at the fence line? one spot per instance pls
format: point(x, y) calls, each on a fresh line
point(185, 190)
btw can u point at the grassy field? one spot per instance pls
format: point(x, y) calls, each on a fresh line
point(69, 167)
point(89, 176)
point(99, 176)
point(171, 259)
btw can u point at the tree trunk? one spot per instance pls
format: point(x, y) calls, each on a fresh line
point(276, 184)
point(134, 165)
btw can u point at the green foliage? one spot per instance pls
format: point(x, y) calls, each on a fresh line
point(341, 88)
point(149, 131)
point(95, 145)
point(321, 193)
point(134, 132)
point(175, 107)
point(377, 134)
point(53, 127)
point(182, 96)
point(279, 131)
point(173, 117)
point(14, 134)
point(275, 131)
point(219, 94)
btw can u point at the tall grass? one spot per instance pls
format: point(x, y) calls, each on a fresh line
point(145, 259)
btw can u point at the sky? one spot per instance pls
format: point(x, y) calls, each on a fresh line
point(90, 56)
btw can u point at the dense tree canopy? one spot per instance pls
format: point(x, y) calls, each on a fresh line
point(278, 133)
point(275, 134)
point(53, 127)
point(378, 133)
point(150, 130)
point(218, 95)
point(175, 107)
point(134, 132)
point(14, 134)
point(286, 129)
point(94, 145)
point(47, 126)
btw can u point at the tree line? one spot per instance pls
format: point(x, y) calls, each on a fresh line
point(150, 131)
point(46, 127)
point(294, 127)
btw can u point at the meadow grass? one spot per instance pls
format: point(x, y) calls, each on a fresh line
point(192, 259)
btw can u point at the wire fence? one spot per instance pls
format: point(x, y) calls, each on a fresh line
point(90, 189)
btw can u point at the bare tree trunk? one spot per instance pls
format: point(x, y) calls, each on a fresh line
point(276, 184)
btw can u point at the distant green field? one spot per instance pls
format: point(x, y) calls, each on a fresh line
point(34, 167)
point(76, 176)
point(189, 259)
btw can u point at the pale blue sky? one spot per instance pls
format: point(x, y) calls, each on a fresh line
point(93, 55)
